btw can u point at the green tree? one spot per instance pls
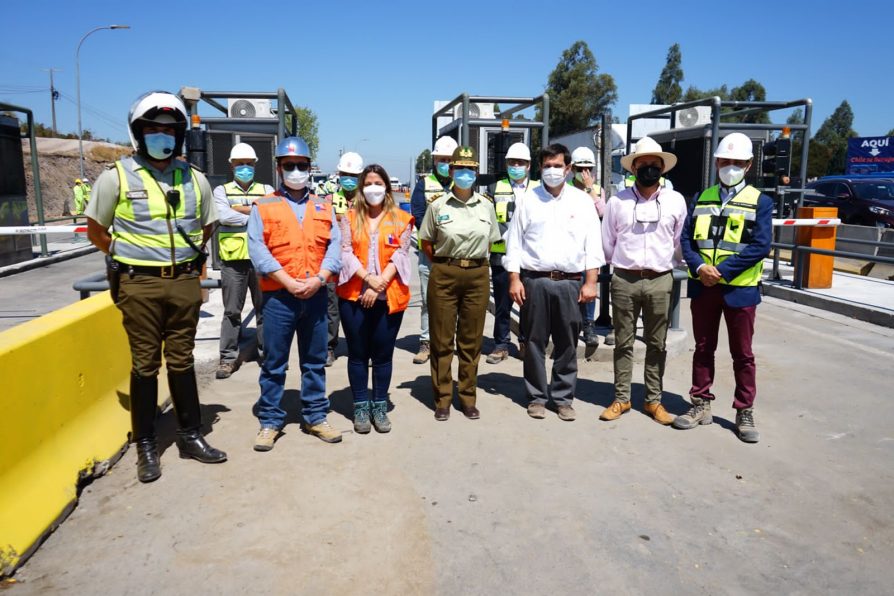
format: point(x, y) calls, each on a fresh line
point(578, 94)
point(423, 162)
point(750, 90)
point(308, 128)
point(796, 117)
point(693, 93)
point(890, 133)
point(833, 134)
point(668, 89)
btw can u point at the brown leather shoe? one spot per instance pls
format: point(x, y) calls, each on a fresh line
point(471, 413)
point(658, 413)
point(614, 411)
point(536, 410)
point(442, 414)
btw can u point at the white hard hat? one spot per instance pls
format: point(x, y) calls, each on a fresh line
point(243, 151)
point(646, 146)
point(444, 147)
point(518, 151)
point(350, 163)
point(583, 156)
point(735, 145)
point(160, 107)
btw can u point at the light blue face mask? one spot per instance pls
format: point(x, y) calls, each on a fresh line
point(159, 145)
point(244, 173)
point(349, 183)
point(517, 172)
point(443, 169)
point(464, 178)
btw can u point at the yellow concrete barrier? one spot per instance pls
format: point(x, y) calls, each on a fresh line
point(65, 417)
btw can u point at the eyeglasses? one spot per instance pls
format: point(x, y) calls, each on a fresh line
point(647, 212)
point(288, 166)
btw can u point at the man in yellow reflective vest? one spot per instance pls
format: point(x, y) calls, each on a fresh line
point(237, 276)
point(160, 211)
point(82, 192)
point(725, 240)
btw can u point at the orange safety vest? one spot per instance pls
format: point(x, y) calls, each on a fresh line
point(391, 228)
point(299, 248)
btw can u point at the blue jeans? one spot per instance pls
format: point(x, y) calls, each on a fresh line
point(284, 315)
point(424, 272)
point(370, 333)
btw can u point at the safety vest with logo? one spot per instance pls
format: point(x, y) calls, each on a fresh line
point(233, 240)
point(298, 247)
point(504, 204)
point(144, 229)
point(339, 202)
point(391, 229)
point(721, 231)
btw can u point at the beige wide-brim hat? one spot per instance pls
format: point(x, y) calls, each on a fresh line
point(647, 146)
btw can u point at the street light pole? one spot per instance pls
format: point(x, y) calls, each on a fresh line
point(78, 84)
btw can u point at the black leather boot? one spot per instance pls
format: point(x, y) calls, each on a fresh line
point(143, 408)
point(190, 442)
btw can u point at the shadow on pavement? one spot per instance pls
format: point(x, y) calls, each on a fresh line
point(420, 390)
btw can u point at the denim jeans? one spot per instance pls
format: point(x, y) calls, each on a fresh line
point(370, 333)
point(424, 272)
point(284, 315)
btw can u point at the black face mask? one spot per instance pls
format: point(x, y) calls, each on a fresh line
point(648, 176)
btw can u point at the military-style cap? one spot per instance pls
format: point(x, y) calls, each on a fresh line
point(464, 156)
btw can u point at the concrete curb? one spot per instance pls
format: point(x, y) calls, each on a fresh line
point(57, 257)
point(861, 312)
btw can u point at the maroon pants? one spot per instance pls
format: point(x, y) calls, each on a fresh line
point(706, 312)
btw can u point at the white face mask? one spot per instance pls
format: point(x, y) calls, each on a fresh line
point(374, 194)
point(731, 175)
point(553, 176)
point(296, 179)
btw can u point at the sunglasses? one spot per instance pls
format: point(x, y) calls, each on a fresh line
point(290, 166)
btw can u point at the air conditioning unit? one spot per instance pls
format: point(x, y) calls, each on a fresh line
point(477, 111)
point(250, 108)
point(697, 116)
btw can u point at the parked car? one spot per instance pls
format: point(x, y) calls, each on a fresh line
point(861, 200)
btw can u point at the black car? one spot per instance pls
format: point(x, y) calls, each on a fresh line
point(861, 200)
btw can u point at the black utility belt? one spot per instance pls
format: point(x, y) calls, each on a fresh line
point(553, 275)
point(164, 271)
point(464, 263)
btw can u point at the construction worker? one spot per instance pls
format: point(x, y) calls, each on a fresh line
point(506, 192)
point(159, 209)
point(428, 189)
point(80, 196)
point(640, 235)
point(237, 276)
point(725, 240)
point(294, 243)
point(373, 292)
point(350, 165)
point(456, 235)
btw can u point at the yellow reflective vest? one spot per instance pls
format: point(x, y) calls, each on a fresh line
point(504, 203)
point(232, 241)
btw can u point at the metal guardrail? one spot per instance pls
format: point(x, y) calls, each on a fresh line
point(98, 282)
point(605, 277)
point(798, 275)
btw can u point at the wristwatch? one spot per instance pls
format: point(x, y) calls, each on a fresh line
point(321, 278)
point(589, 189)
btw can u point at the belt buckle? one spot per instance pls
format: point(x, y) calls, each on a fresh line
point(465, 263)
point(555, 275)
point(167, 272)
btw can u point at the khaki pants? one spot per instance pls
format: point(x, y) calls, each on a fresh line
point(457, 305)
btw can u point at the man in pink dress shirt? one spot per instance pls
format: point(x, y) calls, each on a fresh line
point(640, 235)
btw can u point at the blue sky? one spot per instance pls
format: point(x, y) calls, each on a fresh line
point(371, 70)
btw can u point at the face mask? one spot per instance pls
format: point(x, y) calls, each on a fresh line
point(296, 179)
point(464, 178)
point(648, 176)
point(349, 183)
point(159, 145)
point(517, 172)
point(443, 169)
point(244, 174)
point(731, 175)
point(374, 194)
point(553, 176)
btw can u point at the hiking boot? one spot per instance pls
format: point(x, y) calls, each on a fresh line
point(536, 410)
point(330, 357)
point(266, 438)
point(380, 416)
point(699, 413)
point(658, 413)
point(225, 369)
point(442, 414)
point(522, 349)
point(614, 410)
point(745, 426)
point(471, 412)
point(323, 431)
point(591, 339)
point(610, 338)
point(497, 356)
point(566, 413)
point(361, 417)
point(423, 354)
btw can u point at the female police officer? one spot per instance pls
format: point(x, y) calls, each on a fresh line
point(456, 234)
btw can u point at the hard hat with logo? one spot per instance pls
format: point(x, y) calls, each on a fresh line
point(444, 147)
point(350, 163)
point(518, 151)
point(735, 145)
point(464, 156)
point(292, 147)
point(583, 157)
point(646, 146)
point(157, 107)
point(243, 151)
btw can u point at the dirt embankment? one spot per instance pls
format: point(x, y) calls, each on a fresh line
point(58, 160)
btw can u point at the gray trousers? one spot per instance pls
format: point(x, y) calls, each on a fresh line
point(424, 273)
point(632, 295)
point(551, 309)
point(236, 279)
point(334, 317)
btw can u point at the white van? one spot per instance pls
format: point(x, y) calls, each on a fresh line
point(395, 184)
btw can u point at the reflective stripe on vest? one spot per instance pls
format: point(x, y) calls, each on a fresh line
point(298, 247)
point(504, 196)
point(339, 202)
point(433, 188)
point(233, 240)
point(391, 229)
point(738, 217)
point(142, 234)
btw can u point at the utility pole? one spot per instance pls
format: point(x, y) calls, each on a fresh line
point(54, 96)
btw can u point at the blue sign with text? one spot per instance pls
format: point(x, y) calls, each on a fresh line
point(870, 155)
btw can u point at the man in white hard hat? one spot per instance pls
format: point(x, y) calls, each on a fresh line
point(506, 192)
point(725, 240)
point(427, 189)
point(640, 235)
point(237, 276)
